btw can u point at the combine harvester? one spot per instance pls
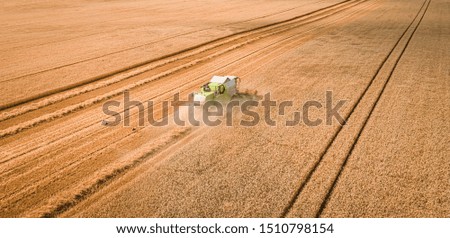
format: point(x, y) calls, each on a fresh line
point(219, 88)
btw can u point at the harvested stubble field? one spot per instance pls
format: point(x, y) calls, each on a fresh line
point(62, 61)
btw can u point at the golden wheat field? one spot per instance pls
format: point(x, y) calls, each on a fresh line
point(62, 61)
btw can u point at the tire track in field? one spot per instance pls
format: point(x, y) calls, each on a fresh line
point(209, 44)
point(241, 41)
point(330, 191)
point(313, 193)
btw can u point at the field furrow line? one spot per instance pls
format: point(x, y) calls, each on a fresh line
point(372, 108)
point(312, 194)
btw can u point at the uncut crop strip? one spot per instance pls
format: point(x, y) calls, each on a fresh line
point(318, 181)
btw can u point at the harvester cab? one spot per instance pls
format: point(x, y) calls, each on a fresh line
point(218, 88)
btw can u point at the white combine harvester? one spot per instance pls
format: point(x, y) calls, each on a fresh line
point(218, 88)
